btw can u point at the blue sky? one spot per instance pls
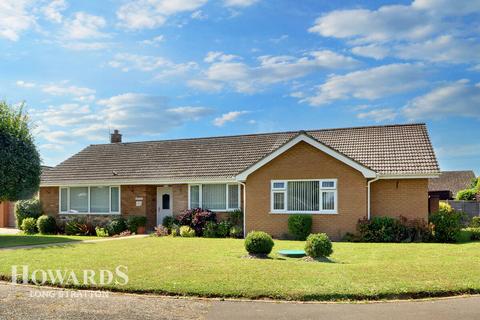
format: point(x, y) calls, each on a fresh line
point(163, 69)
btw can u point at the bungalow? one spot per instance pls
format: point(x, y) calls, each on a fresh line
point(337, 175)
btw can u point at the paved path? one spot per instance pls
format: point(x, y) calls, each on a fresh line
point(54, 244)
point(9, 231)
point(29, 302)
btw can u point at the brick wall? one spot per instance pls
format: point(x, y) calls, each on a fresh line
point(306, 162)
point(406, 197)
point(49, 198)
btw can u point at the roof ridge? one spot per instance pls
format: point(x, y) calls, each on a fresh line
point(270, 133)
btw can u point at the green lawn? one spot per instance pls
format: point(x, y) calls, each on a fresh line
point(7, 241)
point(215, 267)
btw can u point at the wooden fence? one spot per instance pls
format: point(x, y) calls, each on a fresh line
point(471, 208)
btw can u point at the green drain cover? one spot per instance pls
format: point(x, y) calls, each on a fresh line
point(292, 253)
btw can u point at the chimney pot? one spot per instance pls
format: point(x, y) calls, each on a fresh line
point(115, 137)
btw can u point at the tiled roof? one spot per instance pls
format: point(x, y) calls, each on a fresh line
point(453, 181)
point(394, 149)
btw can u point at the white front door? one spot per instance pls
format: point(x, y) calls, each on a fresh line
point(164, 203)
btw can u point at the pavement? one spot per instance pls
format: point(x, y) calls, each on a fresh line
point(9, 231)
point(30, 302)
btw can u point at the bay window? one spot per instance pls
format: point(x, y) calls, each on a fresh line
point(214, 196)
point(304, 196)
point(93, 200)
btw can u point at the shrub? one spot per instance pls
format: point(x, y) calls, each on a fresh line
point(133, 222)
point(161, 231)
point(469, 234)
point(79, 227)
point(210, 230)
point(101, 232)
point(29, 225)
point(380, 229)
point(187, 232)
point(236, 217)
point(168, 221)
point(318, 245)
point(223, 229)
point(27, 209)
point(175, 231)
point(467, 194)
point(300, 226)
point(446, 224)
point(475, 222)
point(46, 225)
point(196, 219)
point(258, 243)
point(117, 226)
point(236, 232)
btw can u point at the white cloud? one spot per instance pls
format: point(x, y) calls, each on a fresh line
point(64, 90)
point(372, 51)
point(154, 41)
point(282, 38)
point(205, 85)
point(239, 3)
point(80, 46)
point(369, 84)
point(148, 14)
point(379, 115)
point(84, 26)
point(53, 11)
point(198, 15)
point(460, 98)
point(228, 117)
point(448, 7)
point(15, 18)
point(25, 84)
point(270, 69)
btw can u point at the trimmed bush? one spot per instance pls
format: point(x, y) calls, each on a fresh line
point(101, 232)
point(318, 245)
point(117, 226)
point(134, 222)
point(168, 221)
point(79, 227)
point(196, 219)
point(47, 225)
point(467, 194)
point(161, 231)
point(300, 225)
point(223, 229)
point(29, 225)
point(236, 232)
point(27, 209)
point(473, 234)
point(236, 217)
point(447, 224)
point(259, 243)
point(387, 229)
point(475, 222)
point(187, 232)
point(210, 230)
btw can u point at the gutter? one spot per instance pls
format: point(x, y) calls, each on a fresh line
point(369, 206)
point(244, 206)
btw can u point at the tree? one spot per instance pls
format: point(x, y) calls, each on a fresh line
point(19, 159)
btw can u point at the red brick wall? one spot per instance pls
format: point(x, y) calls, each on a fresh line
point(49, 198)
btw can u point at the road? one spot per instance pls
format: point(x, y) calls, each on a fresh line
point(28, 302)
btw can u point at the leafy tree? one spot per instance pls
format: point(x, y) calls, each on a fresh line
point(19, 159)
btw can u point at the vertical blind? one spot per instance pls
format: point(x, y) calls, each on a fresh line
point(214, 196)
point(194, 197)
point(99, 199)
point(79, 199)
point(303, 195)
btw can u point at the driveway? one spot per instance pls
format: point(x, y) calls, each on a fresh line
point(9, 231)
point(29, 302)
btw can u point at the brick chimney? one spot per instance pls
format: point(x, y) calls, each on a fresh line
point(115, 137)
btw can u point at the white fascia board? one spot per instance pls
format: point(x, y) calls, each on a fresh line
point(367, 173)
point(410, 176)
point(69, 183)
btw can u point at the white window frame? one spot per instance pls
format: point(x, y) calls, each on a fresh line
point(284, 190)
point(200, 195)
point(110, 212)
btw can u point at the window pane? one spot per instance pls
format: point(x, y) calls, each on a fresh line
point(99, 199)
point(166, 201)
point(303, 196)
point(214, 196)
point(279, 185)
point(278, 201)
point(233, 197)
point(114, 198)
point(79, 199)
point(328, 184)
point(328, 200)
point(64, 200)
point(194, 197)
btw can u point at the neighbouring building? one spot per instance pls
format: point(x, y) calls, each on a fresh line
point(337, 175)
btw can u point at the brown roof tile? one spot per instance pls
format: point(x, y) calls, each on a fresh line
point(393, 149)
point(453, 181)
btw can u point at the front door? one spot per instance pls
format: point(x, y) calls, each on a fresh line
point(164, 203)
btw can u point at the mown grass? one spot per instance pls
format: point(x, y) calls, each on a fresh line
point(216, 268)
point(8, 241)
